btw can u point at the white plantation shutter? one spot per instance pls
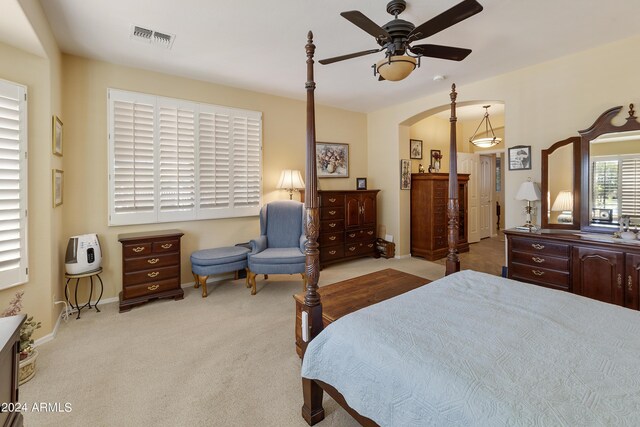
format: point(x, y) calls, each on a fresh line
point(174, 160)
point(13, 184)
point(630, 179)
point(214, 162)
point(177, 141)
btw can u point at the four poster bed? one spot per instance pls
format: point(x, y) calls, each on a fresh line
point(467, 349)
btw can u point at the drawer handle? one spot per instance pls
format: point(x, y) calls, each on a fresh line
point(537, 272)
point(167, 245)
point(332, 252)
point(352, 248)
point(153, 274)
point(352, 235)
point(537, 246)
point(619, 281)
point(332, 200)
point(332, 212)
point(370, 245)
point(332, 238)
point(138, 249)
point(153, 287)
point(629, 284)
point(537, 259)
point(332, 225)
point(153, 260)
point(370, 232)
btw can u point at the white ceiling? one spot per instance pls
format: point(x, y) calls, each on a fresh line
point(259, 45)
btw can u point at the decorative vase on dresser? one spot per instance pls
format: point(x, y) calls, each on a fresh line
point(429, 228)
point(348, 222)
point(150, 267)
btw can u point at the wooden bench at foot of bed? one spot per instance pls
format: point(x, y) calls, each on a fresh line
point(350, 295)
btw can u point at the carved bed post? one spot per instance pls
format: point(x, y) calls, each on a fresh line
point(453, 262)
point(312, 410)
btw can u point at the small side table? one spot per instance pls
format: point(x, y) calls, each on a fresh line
point(90, 275)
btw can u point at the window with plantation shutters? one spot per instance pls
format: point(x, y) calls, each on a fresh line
point(176, 160)
point(13, 184)
point(630, 187)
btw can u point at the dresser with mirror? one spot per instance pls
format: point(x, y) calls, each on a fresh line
point(589, 187)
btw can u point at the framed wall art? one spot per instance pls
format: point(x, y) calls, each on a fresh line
point(332, 160)
point(405, 174)
point(520, 157)
point(56, 136)
point(415, 149)
point(57, 184)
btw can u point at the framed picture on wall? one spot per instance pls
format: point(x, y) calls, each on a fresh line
point(332, 160)
point(57, 177)
point(405, 174)
point(56, 136)
point(520, 157)
point(415, 149)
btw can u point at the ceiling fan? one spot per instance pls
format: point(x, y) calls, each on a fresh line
point(396, 38)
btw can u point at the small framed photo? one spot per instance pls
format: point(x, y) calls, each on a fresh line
point(361, 183)
point(436, 158)
point(56, 136)
point(405, 174)
point(332, 160)
point(415, 149)
point(57, 184)
point(520, 157)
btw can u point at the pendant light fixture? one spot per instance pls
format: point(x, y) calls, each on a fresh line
point(490, 139)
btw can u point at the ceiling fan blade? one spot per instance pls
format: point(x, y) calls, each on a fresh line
point(349, 56)
point(457, 13)
point(359, 19)
point(442, 52)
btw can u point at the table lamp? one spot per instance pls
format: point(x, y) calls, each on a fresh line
point(290, 180)
point(564, 205)
point(530, 192)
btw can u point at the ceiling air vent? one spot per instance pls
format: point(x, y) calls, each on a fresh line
point(152, 37)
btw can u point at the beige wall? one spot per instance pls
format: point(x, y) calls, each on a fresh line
point(284, 124)
point(543, 104)
point(42, 78)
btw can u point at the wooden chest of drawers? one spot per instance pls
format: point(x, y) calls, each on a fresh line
point(347, 225)
point(541, 262)
point(150, 267)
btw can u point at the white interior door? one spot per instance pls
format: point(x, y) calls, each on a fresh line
point(470, 163)
point(485, 192)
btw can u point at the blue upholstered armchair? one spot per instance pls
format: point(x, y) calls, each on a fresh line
point(280, 247)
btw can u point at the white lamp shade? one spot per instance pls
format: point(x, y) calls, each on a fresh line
point(528, 191)
point(486, 142)
point(563, 202)
point(290, 179)
point(396, 68)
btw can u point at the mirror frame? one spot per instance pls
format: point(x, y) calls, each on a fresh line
point(602, 125)
point(575, 140)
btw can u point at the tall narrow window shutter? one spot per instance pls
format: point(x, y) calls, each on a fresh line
point(630, 187)
point(133, 181)
point(214, 161)
point(177, 141)
point(13, 191)
point(246, 162)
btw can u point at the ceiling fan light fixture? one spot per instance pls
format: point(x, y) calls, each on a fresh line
point(396, 68)
point(491, 139)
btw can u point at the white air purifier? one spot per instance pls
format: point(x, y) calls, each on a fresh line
point(83, 254)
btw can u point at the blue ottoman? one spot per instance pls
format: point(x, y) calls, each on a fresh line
point(217, 261)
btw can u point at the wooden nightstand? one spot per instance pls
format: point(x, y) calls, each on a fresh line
point(150, 267)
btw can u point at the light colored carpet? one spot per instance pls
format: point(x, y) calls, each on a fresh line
point(225, 360)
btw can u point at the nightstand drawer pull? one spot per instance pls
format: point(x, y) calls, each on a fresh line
point(153, 260)
point(537, 259)
point(370, 232)
point(153, 274)
point(332, 212)
point(352, 248)
point(332, 225)
point(537, 272)
point(537, 246)
point(167, 245)
point(352, 235)
point(332, 238)
point(153, 287)
point(138, 249)
point(370, 245)
point(332, 252)
point(332, 200)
